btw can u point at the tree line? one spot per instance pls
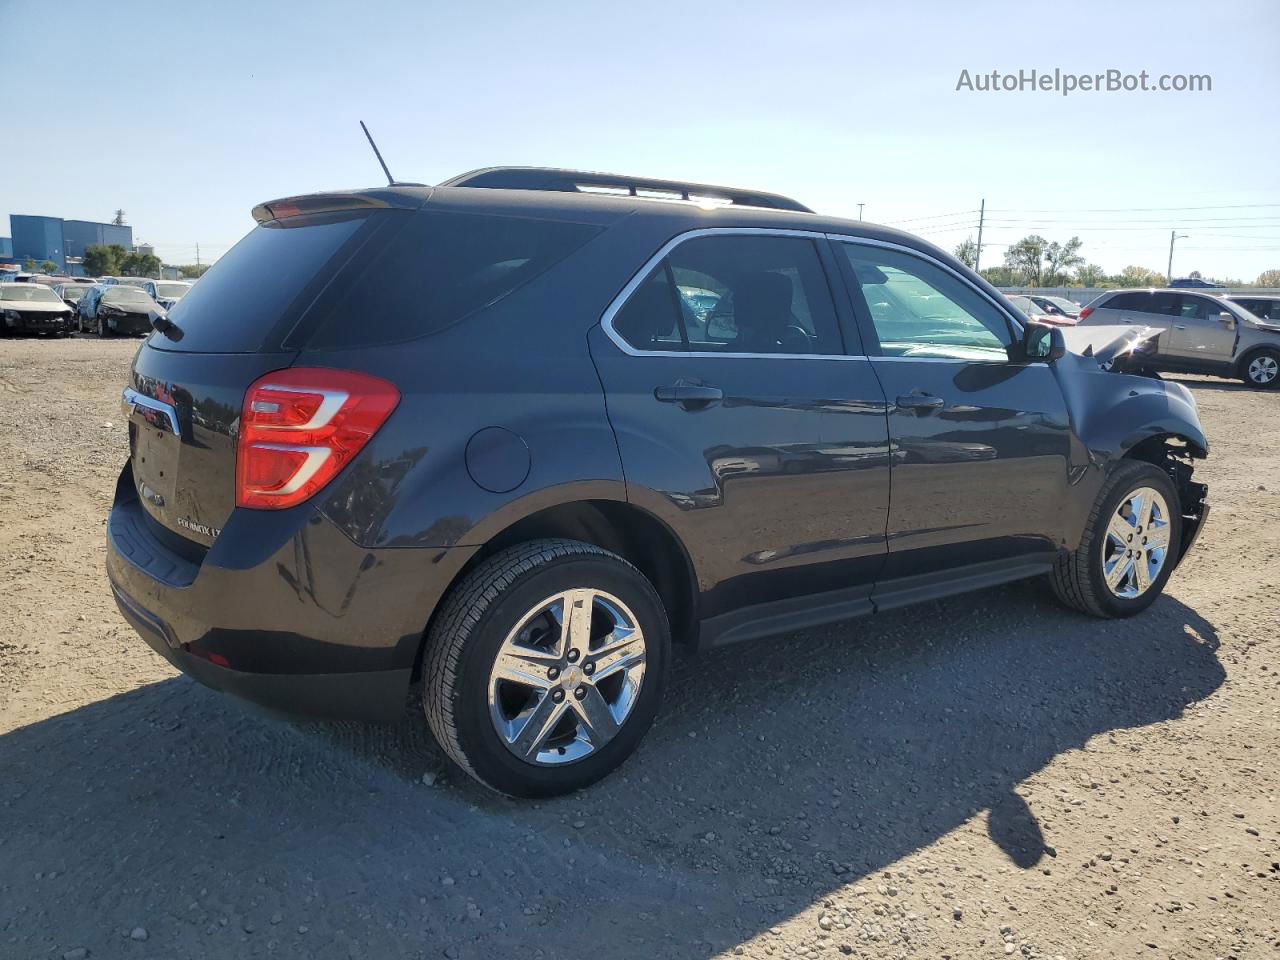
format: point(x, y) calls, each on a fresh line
point(1036, 262)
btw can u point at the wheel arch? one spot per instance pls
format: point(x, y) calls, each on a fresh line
point(1242, 364)
point(620, 527)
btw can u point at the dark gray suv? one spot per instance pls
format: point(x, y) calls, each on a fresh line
point(515, 436)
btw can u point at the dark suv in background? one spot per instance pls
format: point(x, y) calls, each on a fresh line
point(516, 435)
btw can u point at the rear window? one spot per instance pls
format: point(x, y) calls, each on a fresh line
point(252, 289)
point(439, 269)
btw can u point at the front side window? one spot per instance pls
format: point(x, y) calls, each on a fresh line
point(734, 293)
point(918, 309)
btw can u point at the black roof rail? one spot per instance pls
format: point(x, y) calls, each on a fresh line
point(581, 181)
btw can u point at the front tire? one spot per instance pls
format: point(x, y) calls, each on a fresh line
point(1129, 547)
point(1261, 369)
point(544, 667)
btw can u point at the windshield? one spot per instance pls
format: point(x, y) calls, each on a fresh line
point(174, 290)
point(127, 297)
point(1024, 304)
point(1064, 304)
point(27, 293)
point(73, 291)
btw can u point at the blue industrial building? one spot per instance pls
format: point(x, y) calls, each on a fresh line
point(52, 238)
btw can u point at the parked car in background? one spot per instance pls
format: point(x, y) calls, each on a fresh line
point(1034, 311)
point(71, 292)
point(1263, 306)
point(166, 292)
point(124, 281)
point(1056, 306)
point(471, 434)
point(1183, 282)
point(33, 308)
point(118, 309)
point(1198, 333)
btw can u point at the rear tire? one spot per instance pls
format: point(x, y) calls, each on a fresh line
point(1261, 369)
point(1118, 569)
point(102, 328)
point(527, 698)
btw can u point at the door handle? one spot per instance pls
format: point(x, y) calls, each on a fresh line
point(1179, 326)
point(919, 402)
point(691, 396)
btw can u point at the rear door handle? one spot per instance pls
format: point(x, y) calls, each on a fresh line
point(921, 403)
point(691, 396)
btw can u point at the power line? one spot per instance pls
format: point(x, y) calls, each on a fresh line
point(1221, 206)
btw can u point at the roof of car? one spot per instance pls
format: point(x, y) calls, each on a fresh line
point(1253, 296)
point(600, 207)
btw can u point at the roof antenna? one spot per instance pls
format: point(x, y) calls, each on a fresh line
point(377, 153)
point(391, 181)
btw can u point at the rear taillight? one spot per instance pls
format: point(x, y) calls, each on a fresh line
point(1084, 313)
point(300, 427)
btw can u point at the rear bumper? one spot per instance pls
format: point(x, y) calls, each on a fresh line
point(366, 695)
point(283, 610)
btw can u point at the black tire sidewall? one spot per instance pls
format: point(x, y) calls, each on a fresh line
point(1128, 606)
point(492, 761)
point(1244, 369)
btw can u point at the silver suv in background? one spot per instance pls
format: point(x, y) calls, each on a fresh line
point(1264, 306)
point(1198, 333)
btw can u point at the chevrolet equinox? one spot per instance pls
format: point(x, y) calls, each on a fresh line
point(507, 440)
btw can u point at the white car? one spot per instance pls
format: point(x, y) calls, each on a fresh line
point(33, 308)
point(166, 292)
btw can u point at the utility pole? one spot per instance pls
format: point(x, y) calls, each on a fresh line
point(1173, 235)
point(982, 216)
point(197, 259)
point(860, 206)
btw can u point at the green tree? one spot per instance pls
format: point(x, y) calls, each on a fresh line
point(191, 271)
point(1001, 277)
point(103, 261)
point(1041, 263)
point(1268, 278)
point(136, 264)
point(967, 253)
point(1132, 276)
point(1059, 258)
point(48, 267)
point(1090, 275)
point(29, 265)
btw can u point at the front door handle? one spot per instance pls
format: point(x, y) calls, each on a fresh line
point(920, 402)
point(1179, 326)
point(691, 396)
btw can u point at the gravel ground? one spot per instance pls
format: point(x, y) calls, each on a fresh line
point(980, 777)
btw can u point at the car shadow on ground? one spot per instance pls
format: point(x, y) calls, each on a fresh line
point(1205, 383)
point(779, 771)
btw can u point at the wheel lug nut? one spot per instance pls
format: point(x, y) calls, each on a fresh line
point(588, 668)
point(573, 656)
point(557, 695)
point(553, 673)
point(580, 692)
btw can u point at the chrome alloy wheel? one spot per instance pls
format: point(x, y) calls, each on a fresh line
point(1263, 369)
point(567, 677)
point(1137, 543)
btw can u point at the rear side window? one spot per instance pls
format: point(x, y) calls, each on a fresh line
point(734, 294)
point(1128, 301)
point(438, 269)
point(243, 296)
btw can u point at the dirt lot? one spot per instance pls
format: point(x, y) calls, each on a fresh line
point(980, 777)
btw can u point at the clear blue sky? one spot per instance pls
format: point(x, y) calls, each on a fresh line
point(187, 114)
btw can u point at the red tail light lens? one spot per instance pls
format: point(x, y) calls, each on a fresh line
point(1084, 313)
point(300, 427)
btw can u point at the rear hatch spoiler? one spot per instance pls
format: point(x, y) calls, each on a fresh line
point(341, 202)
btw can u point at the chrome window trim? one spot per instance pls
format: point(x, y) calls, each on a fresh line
point(1004, 309)
point(132, 398)
point(606, 319)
